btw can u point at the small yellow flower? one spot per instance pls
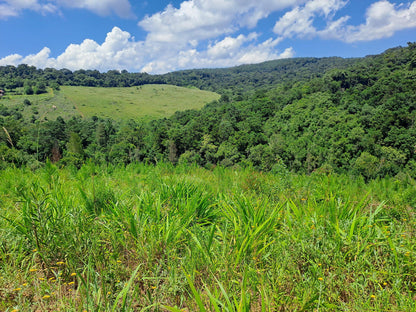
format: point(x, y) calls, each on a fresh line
point(46, 297)
point(385, 284)
point(33, 270)
point(154, 287)
point(71, 283)
point(404, 220)
point(41, 279)
point(372, 296)
point(118, 261)
point(319, 264)
point(108, 293)
point(34, 250)
point(17, 289)
point(320, 278)
point(51, 278)
point(14, 310)
point(73, 274)
point(24, 284)
point(60, 263)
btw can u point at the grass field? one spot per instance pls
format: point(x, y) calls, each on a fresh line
point(153, 101)
point(184, 238)
point(148, 100)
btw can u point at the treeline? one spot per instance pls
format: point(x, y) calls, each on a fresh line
point(236, 80)
point(359, 119)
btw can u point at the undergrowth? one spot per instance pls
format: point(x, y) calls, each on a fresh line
point(165, 238)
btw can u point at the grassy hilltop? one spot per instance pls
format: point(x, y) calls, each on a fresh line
point(148, 100)
point(154, 101)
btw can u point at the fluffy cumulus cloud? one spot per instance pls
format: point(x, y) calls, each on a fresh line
point(10, 8)
point(197, 20)
point(299, 21)
point(121, 51)
point(383, 19)
point(215, 33)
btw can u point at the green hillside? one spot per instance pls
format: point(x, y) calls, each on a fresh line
point(234, 80)
point(124, 103)
point(155, 101)
point(359, 119)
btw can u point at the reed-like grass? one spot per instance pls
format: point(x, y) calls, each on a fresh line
point(165, 238)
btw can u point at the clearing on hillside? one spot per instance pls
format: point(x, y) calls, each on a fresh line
point(147, 100)
point(150, 101)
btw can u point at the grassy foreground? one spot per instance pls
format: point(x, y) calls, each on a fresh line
point(166, 238)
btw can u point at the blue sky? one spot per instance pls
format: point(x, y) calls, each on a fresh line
point(162, 36)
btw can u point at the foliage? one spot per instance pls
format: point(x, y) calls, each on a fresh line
point(143, 237)
point(326, 115)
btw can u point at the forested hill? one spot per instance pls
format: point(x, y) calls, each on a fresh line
point(243, 78)
point(358, 119)
point(235, 80)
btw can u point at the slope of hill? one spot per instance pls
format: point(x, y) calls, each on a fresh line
point(234, 80)
point(154, 101)
point(243, 78)
point(359, 119)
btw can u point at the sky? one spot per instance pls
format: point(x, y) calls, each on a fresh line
point(163, 36)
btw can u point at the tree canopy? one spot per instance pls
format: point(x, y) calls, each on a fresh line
point(331, 114)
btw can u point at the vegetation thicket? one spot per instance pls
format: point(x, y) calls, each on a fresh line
point(294, 191)
point(184, 238)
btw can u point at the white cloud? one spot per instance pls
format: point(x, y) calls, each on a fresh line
point(12, 8)
point(383, 19)
point(199, 19)
point(228, 47)
point(13, 59)
point(121, 51)
point(230, 51)
point(7, 11)
point(299, 21)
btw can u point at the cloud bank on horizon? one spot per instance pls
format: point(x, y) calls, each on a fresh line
point(215, 33)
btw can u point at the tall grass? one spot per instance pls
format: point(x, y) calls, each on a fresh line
point(165, 238)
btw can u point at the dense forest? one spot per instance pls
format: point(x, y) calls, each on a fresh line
point(303, 115)
point(236, 79)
